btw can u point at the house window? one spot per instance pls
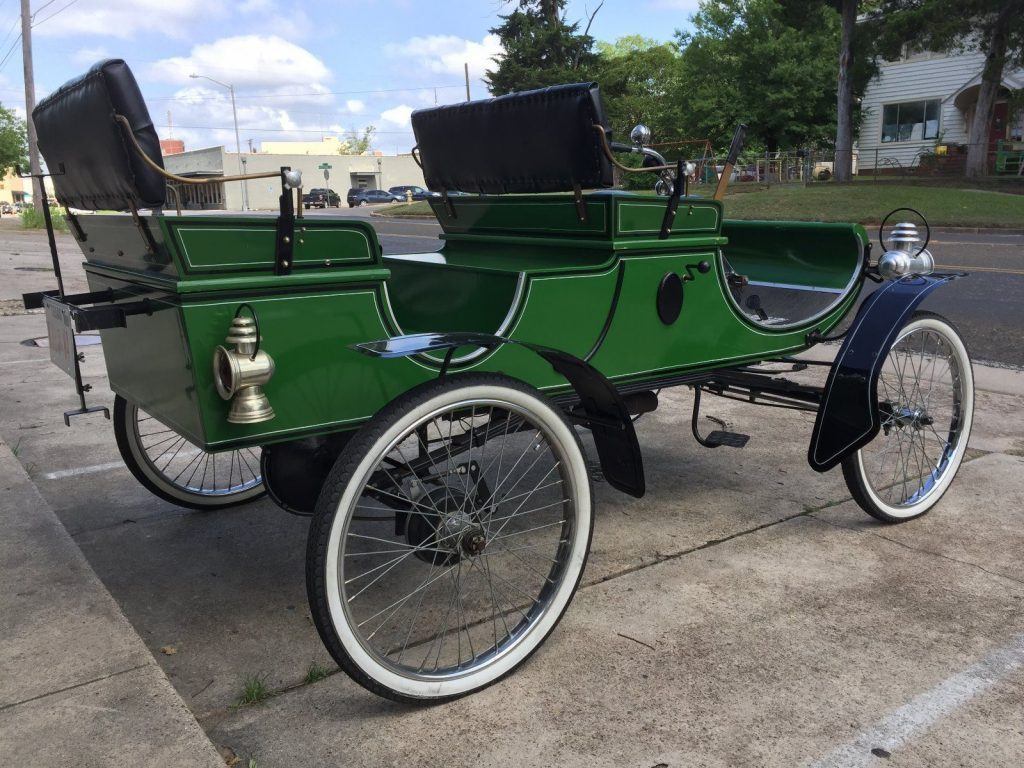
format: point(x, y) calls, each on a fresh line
point(910, 121)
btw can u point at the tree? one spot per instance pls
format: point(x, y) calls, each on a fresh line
point(356, 144)
point(636, 76)
point(13, 143)
point(855, 69)
point(541, 48)
point(748, 61)
point(993, 27)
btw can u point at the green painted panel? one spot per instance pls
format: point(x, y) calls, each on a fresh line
point(148, 361)
point(115, 240)
point(644, 216)
point(707, 334)
point(795, 253)
point(550, 215)
point(319, 383)
point(429, 296)
point(231, 245)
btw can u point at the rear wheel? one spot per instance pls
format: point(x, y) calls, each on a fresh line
point(926, 398)
point(176, 470)
point(449, 538)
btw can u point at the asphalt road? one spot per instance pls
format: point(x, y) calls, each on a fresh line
point(988, 306)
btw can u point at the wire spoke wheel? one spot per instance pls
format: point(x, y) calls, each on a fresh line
point(177, 470)
point(926, 405)
point(446, 550)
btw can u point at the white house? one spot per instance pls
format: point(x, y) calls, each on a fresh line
point(924, 99)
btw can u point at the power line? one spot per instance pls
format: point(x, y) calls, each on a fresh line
point(305, 93)
point(3, 62)
point(260, 129)
point(43, 7)
point(58, 11)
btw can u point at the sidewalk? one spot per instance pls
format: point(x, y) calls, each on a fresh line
point(77, 684)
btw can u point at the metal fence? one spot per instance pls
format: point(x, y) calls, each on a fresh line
point(944, 161)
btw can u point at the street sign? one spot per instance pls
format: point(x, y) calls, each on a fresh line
point(326, 168)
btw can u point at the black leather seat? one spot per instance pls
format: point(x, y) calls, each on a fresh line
point(534, 141)
point(76, 129)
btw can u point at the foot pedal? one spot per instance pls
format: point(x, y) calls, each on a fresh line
point(717, 437)
point(731, 439)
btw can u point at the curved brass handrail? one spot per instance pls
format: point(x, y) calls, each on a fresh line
point(625, 168)
point(186, 179)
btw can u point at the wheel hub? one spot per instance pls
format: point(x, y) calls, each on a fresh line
point(474, 541)
point(446, 535)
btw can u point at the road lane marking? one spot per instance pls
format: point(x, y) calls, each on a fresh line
point(998, 270)
point(27, 360)
point(60, 474)
point(925, 710)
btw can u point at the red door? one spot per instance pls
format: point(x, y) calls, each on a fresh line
point(996, 132)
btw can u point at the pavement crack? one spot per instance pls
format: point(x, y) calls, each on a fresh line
point(638, 642)
point(921, 551)
point(73, 687)
point(690, 550)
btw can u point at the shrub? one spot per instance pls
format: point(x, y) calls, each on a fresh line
point(33, 219)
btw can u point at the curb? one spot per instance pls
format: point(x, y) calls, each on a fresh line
point(977, 231)
point(77, 684)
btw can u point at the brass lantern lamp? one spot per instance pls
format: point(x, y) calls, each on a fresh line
point(240, 373)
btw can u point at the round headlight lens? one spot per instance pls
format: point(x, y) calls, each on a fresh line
point(225, 371)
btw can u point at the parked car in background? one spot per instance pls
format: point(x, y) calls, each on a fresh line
point(418, 193)
point(370, 197)
point(321, 197)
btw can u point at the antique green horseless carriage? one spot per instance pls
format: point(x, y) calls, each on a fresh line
point(425, 408)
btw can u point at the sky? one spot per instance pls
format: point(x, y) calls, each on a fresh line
point(299, 69)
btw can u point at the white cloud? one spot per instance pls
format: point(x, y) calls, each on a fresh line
point(271, 62)
point(124, 18)
point(398, 116)
point(355, 106)
point(447, 54)
point(88, 56)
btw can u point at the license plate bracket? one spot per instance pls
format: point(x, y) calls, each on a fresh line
point(60, 328)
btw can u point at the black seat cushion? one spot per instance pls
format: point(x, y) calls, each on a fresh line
point(534, 141)
point(76, 127)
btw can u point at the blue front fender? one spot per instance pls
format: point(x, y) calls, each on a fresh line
point(849, 417)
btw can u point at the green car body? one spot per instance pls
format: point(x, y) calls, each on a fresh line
point(530, 268)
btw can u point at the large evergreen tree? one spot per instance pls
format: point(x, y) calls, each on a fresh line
point(541, 48)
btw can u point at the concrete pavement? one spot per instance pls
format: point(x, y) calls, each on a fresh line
point(77, 685)
point(744, 612)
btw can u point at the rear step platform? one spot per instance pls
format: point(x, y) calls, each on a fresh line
point(717, 437)
point(720, 437)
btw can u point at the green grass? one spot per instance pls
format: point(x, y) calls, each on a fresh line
point(316, 672)
point(254, 690)
point(868, 203)
point(32, 219)
point(419, 208)
point(862, 203)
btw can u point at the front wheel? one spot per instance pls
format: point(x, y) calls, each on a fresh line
point(926, 399)
point(449, 538)
point(176, 470)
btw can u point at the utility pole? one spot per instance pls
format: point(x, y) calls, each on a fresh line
point(466, 65)
point(238, 141)
point(30, 104)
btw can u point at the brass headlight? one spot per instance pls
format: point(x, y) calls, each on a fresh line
point(240, 373)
